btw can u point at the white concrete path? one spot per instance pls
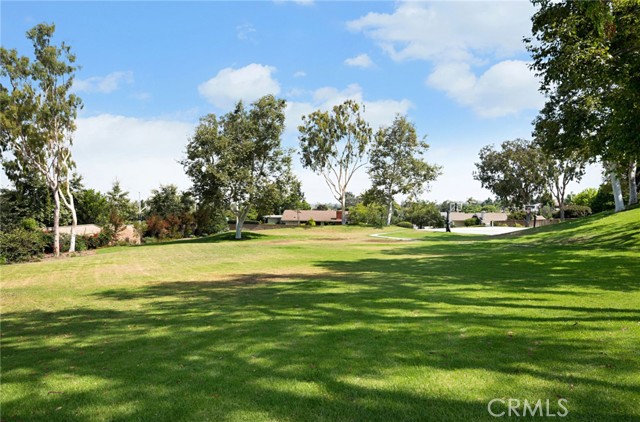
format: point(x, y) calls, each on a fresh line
point(488, 231)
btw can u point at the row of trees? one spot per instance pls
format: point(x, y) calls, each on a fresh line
point(586, 54)
point(237, 161)
point(521, 171)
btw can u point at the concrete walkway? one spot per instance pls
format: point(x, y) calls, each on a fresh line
point(488, 231)
point(384, 236)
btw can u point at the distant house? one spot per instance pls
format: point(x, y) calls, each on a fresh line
point(272, 219)
point(294, 217)
point(487, 218)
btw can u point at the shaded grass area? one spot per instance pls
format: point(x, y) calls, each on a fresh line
point(328, 325)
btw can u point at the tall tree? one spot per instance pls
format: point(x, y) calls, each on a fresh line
point(168, 200)
point(38, 117)
point(515, 173)
point(235, 159)
point(396, 163)
point(586, 54)
point(92, 207)
point(560, 171)
point(118, 201)
point(334, 144)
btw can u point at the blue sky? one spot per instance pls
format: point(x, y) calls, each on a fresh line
point(149, 70)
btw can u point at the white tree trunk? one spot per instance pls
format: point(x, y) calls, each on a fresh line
point(239, 223)
point(344, 207)
point(633, 187)
point(56, 223)
point(389, 212)
point(67, 200)
point(616, 186)
point(74, 224)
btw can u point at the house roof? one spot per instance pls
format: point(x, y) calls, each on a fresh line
point(306, 215)
point(488, 216)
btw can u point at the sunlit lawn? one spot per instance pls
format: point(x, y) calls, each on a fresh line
point(329, 324)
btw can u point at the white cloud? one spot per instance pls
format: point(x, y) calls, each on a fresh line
point(140, 153)
point(505, 88)
point(448, 30)
point(362, 60)
point(244, 32)
point(458, 38)
point(246, 83)
point(103, 84)
point(300, 74)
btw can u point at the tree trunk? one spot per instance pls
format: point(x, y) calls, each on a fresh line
point(633, 187)
point(390, 212)
point(561, 205)
point(344, 208)
point(239, 223)
point(56, 223)
point(69, 203)
point(74, 224)
point(617, 188)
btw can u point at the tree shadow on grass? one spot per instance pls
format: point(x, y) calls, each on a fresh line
point(376, 341)
point(593, 232)
point(228, 236)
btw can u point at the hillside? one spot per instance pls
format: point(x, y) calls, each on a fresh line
point(603, 230)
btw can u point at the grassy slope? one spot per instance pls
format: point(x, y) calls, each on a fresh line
point(329, 324)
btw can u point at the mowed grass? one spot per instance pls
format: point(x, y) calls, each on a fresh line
point(329, 324)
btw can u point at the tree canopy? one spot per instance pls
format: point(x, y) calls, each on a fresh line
point(237, 159)
point(515, 173)
point(587, 55)
point(334, 145)
point(396, 163)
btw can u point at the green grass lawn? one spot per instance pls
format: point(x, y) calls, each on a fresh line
point(329, 324)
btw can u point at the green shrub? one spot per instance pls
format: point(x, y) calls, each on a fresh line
point(311, 222)
point(81, 243)
point(30, 224)
point(21, 245)
point(473, 221)
point(48, 242)
point(517, 215)
point(405, 224)
point(574, 211)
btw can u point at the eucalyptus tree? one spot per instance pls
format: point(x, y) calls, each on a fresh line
point(396, 162)
point(235, 160)
point(334, 144)
point(38, 117)
point(560, 171)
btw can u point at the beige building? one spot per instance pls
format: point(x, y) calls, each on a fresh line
point(294, 217)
